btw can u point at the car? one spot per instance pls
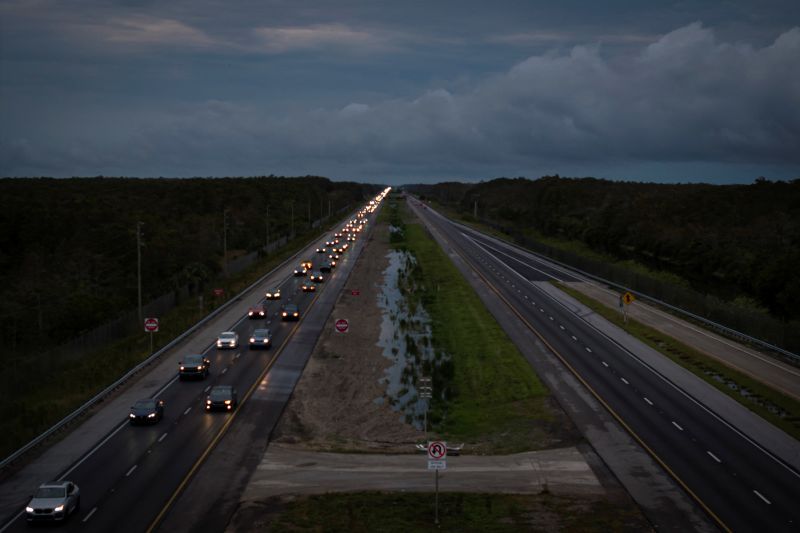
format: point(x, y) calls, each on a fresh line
point(309, 286)
point(337, 235)
point(334, 256)
point(256, 311)
point(321, 250)
point(193, 366)
point(290, 312)
point(228, 339)
point(326, 266)
point(307, 264)
point(53, 502)
point(222, 397)
point(261, 338)
point(147, 411)
point(274, 294)
point(316, 276)
point(329, 243)
point(300, 271)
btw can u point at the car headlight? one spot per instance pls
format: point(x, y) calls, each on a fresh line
point(208, 402)
point(296, 314)
point(59, 508)
point(219, 343)
point(132, 415)
point(252, 339)
point(183, 368)
point(227, 402)
point(284, 313)
point(29, 509)
point(249, 313)
point(200, 367)
point(151, 415)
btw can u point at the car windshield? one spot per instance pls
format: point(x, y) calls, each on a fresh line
point(145, 404)
point(291, 308)
point(219, 394)
point(260, 333)
point(226, 336)
point(51, 492)
point(193, 360)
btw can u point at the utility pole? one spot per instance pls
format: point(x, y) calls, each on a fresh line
point(225, 242)
point(475, 209)
point(266, 244)
point(329, 208)
point(309, 212)
point(139, 225)
point(291, 233)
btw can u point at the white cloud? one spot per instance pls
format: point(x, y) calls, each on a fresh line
point(287, 39)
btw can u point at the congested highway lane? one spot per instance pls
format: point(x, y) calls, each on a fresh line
point(128, 476)
point(740, 485)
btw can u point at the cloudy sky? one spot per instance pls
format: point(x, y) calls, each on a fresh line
point(393, 92)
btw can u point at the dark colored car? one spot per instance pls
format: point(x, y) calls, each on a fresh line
point(53, 502)
point(309, 286)
point(316, 276)
point(257, 311)
point(300, 271)
point(261, 338)
point(290, 312)
point(193, 366)
point(307, 264)
point(222, 398)
point(326, 267)
point(149, 411)
point(274, 294)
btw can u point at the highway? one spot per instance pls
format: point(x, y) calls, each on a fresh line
point(129, 476)
point(738, 484)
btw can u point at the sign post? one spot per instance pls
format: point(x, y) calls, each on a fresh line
point(342, 325)
point(425, 389)
point(151, 326)
point(437, 460)
point(627, 299)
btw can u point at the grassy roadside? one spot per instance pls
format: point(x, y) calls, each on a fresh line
point(489, 397)
point(403, 512)
point(55, 395)
point(761, 399)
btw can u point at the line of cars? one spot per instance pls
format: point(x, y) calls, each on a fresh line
point(57, 500)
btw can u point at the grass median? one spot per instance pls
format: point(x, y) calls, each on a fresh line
point(488, 396)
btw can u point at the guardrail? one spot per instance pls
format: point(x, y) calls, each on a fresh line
point(791, 356)
point(132, 372)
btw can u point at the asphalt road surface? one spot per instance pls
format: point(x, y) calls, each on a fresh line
point(739, 484)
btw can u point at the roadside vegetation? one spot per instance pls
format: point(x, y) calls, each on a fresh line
point(781, 410)
point(485, 393)
point(33, 401)
point(725, 252)
point(458, 512)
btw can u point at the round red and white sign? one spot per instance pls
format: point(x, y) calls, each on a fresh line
point(437, 450)
point(342, 325)
point(151, 325)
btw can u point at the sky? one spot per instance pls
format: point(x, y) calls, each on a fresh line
point(401, 92)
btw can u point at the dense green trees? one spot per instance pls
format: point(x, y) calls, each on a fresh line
point(68, 254)
point(732, 241)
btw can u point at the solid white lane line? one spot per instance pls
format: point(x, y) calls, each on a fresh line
point(604, 364)
point(762, 497)
point(129, 472)
point(162, 437)
point(224, 369)
point(677, 425)
point(186, 412)
point(714, 457)
point(648, 400)
point(588, 349)
point(625, 381)
point(88, 516)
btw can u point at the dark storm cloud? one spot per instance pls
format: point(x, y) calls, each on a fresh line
point(364, 94)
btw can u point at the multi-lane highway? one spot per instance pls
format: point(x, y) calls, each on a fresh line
point(129, 476)
point(738, 483)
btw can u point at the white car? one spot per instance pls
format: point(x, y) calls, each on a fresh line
point(53, 502)
point(228, 339)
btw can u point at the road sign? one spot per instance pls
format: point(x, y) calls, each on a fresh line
point(151, 325)
point(437, 450)
point(628, 298)
point(219, 292)
point(437, 465)
point(342, 325)
point(355, 292)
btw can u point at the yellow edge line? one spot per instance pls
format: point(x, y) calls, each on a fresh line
point(619, 419)
point(225, 426)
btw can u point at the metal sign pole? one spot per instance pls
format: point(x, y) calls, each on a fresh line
point(436, 520)
point(151, 342)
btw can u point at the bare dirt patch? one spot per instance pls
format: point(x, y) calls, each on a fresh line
point(338, 404)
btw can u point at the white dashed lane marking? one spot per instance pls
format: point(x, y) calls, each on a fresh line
point(88, 516)
point(625, 381)
point(129, 472)
point(714, 457)
point(762, 497)
point(224, 370)
point(186, 412)
point(648, 400)
point(677, 425)
point(574, 338)
point(162, 437)
point(588, 349)
point(604, 364)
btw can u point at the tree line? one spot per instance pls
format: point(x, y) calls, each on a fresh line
point(737, 242)
point(68, 259)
